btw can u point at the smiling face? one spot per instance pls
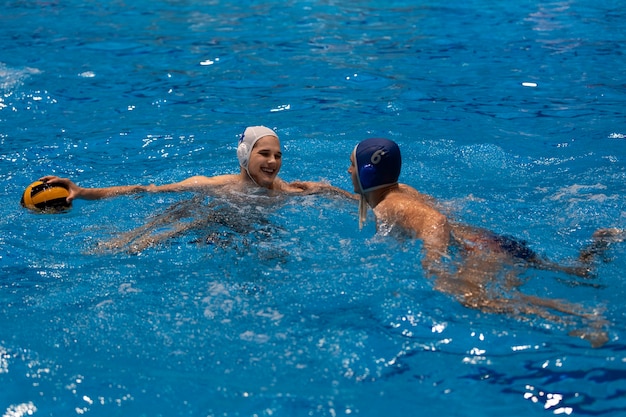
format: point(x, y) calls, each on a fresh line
point(265, 161)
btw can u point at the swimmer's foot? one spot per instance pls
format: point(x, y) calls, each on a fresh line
point(594, 330)
point(611, 235)
point(602, 239)
point(596, 337)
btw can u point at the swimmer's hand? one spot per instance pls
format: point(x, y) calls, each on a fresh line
point(74, 190)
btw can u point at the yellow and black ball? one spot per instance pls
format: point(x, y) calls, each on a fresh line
point(42, 197)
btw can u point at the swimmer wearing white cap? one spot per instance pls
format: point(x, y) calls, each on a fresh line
point(480, 258)
point(259, 155)
point(260, 159)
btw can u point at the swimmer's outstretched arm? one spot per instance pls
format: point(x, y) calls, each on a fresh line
point(312, 187)
point(77, 192)
point(195, 183)
point(190, 184)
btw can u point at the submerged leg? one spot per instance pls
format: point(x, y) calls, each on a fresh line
point(601, 242)
point(582, 271)
point(148, 240)
point(144, 236)
point(587, 325)
point(491, 244)
point(592, 328)
point(136, 241)
point(488, 282)
point(186, 216)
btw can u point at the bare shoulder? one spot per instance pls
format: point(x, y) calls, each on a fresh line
point(408, 190)
point(410, 211)
point(405, 203)
point(412, 192)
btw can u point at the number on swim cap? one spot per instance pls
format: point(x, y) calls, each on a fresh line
point(377, 156)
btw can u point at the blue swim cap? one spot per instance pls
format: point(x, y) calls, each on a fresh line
point(378, 163)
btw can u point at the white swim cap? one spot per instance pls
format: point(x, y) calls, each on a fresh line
point(247, 140)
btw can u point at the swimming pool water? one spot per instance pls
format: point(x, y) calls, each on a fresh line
point(511, 113)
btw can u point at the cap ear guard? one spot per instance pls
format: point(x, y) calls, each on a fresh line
point(367, 176)
point(242, 154)
point(247, 140)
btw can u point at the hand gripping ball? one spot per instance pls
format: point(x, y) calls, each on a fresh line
point(43, 197)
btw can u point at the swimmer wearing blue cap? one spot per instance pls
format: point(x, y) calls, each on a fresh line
point(375, 169)
point(260, 159)
point(485, 257)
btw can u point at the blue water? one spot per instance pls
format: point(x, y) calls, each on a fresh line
point(511, 113)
